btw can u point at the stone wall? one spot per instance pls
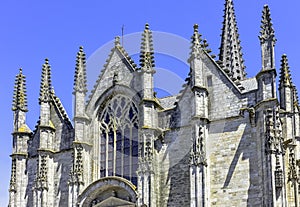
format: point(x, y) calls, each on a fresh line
point(235, 178)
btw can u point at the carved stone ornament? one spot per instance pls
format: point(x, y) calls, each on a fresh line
point(197, 155)
point(251, 112)
point(273, 133)
point(12, 184)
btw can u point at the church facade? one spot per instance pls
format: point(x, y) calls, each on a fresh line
point(224, 140)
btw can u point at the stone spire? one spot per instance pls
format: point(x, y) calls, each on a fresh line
point(46, 87)
point(267, 40)
point(285, 79)
point(230, 51)
point(80, 72)
point(267, 31)
point(20, 96)
point(146, 56)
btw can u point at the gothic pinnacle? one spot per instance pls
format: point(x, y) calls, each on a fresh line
point(46, 87)
point(267, 30)
point(230, 51)
point(196, 38)
point(285, 79)
point(80, 72)
point(195, 42)
point(146, 54)
point(20, 96)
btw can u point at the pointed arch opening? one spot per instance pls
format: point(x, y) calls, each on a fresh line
point(119, 138)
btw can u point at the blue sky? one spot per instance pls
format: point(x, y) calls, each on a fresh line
point(35, 30)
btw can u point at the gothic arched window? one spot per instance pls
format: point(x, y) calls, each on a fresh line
point(119, 139)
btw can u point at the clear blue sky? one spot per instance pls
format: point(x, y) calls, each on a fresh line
point(34, 30)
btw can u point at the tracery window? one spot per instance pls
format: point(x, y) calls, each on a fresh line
point(119, 139)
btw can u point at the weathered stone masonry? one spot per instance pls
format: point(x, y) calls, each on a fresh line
point(224, 140)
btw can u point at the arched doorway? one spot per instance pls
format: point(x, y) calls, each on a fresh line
point(109, 192)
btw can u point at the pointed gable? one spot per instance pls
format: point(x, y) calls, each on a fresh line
point(119, 69)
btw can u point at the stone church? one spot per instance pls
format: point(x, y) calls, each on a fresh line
point(224, 140)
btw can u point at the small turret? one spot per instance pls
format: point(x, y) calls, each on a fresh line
point(20, 96)
point(285, 79)
point(267, 40)
point(80, 72)
point(195, 60)
point(149, 107)
point(80, 86)
point(230, 55)
point(21, 135)
point(195, 43)
point(266, 78)
point(146, 56)
point(197, 55)
point(147, 63)
point(19, 106)
point(45, 99)
point(46, 87)
point(285, 85)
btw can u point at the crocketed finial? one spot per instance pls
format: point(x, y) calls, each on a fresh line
point(80, 78)
point(147, 26)
point(46, 87)
point(267, 31)
point(146, 54)
point(20, 95)
point(285, 79)
point(196, 28)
